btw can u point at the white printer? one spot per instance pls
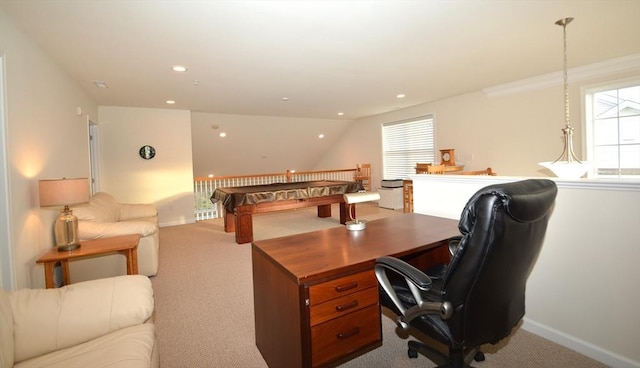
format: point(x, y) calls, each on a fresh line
point(390, 194)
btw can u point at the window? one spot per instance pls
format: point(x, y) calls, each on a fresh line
point(613, 130)
point(405, 143)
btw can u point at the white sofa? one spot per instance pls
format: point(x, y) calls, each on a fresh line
point(99, 323)
point(103, 217)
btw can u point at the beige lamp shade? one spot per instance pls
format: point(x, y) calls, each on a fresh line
point(63, 192)
point(359, 197)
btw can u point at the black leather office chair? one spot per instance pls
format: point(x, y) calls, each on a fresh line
point(479, 296)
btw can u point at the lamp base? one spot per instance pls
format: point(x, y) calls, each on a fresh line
point(66, 230)
point(68, 247)
point(356, 225)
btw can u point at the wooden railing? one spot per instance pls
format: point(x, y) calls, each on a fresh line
point(204, 187)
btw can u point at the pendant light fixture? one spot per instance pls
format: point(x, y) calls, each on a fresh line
point(567, 165)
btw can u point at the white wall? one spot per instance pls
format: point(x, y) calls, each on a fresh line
point(167, 179)
point(46, 138)
point(584, 291)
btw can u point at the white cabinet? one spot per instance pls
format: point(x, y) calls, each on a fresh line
point(390, 198)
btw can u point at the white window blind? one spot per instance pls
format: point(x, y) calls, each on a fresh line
point(406, 143)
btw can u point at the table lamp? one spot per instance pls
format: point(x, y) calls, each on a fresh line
point(64, 192)
point(358, 197)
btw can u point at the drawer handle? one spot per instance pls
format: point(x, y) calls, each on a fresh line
point(349, 286)
point(346, 335)
point(341, 308)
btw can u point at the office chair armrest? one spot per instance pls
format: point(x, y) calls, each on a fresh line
point(454, 243)
point(417, 277)
point(445, 310)
point(417, 282)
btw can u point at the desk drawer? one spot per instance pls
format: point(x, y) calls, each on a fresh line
point(345, 335)
point(343, 305)
point(342, 286)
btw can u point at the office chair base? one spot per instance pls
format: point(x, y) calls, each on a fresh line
point(460, 360)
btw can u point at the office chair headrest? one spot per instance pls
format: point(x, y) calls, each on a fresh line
point(525, 201)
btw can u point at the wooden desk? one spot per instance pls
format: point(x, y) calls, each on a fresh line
point(126, 245)
point(316, 294)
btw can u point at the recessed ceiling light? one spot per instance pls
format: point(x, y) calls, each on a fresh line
point(340, 113)
point(223, 134)
point(100, 84)
point(170, 102)
point(285, 98)
point(401, 95)
point(179, 68)
point(320, 135)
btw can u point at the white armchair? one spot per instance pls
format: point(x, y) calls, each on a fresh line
point(106, 321)
point(104, 217)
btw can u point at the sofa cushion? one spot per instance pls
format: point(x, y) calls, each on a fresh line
point(46, 320)
point(129, 347)
point(138, 211)
point(102, 207)
point(94, 230)
point(153, 220)
point(6, 330)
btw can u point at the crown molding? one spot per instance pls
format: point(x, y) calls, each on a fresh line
point(623, 64)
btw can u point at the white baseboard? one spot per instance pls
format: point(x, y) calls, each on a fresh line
point(604, 356)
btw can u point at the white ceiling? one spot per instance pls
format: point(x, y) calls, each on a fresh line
point(325, 56)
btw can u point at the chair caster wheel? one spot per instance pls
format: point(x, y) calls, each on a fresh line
point(479, 357)
point(413, 354)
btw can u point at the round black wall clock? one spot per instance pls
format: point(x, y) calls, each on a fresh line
point(147, 152)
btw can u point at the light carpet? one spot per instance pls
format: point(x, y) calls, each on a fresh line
point(204, 302)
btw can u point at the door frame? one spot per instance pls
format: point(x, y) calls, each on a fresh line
point(94, 155)
point(7, 269)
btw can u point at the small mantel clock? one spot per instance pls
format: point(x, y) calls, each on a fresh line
point(447, 157)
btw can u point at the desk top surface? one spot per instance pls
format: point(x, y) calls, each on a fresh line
point(319, 254)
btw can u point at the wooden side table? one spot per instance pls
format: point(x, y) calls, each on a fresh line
point(126, 245)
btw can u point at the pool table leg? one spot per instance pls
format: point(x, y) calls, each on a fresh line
point(324, 210)
point(244, 224)
point(229, 222)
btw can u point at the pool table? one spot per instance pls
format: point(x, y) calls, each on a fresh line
point(240, 203)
